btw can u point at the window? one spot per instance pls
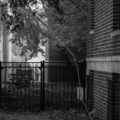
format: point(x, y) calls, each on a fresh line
point(92, 14)
point(116, 14)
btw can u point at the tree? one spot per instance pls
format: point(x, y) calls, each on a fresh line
point(33, 22)
point(71, 16)
point(16, 54)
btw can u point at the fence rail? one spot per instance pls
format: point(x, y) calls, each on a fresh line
point(38, 85)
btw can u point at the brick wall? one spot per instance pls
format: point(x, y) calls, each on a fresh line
point(105, 21)
point(103, 59)
point(115, 96)
point(116, 14)
point(103, 94)
point(99, 43)
point(90, 90)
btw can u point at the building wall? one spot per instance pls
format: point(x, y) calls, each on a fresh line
point(103, 59)
point(100, 43)
point(4, 43)
point(6, 46)
point(1, 40)
point(5, 49)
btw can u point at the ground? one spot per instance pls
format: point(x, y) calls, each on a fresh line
point(45, 115)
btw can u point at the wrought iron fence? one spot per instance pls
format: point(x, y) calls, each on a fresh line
point(18, 86)
point(38, 86)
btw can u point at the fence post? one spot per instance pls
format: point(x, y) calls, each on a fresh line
point(0, 82)
point(84, 90)
point(42, 85)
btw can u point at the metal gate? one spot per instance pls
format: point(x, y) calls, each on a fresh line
point(38, 86)
point(21, 86)
point(60, 85)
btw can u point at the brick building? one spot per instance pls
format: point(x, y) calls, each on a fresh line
point(103, 59)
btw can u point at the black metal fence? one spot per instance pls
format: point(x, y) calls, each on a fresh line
point(38, 86)
point(61, 83)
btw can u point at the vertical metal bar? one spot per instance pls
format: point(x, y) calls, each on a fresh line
point(42, 86)
point(51, 93)
point(0, 82)
point(84, 92)
point(14, 69)
point(53, 85)
point(17, 91)
point(56, 85)
point(13, 79)
point(5, 79)
point(68, 80)
point(61, 88)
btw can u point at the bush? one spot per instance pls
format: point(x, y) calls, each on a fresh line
point(23, 78)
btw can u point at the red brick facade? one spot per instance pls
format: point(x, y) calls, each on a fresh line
point(103, 59)
point(100, 42)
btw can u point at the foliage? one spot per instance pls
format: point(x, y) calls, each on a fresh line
point(71, 17)
point(24, 78)
point(33, 22)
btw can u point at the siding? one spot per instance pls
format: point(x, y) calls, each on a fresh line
point(1, 40)
point(1, 43)
point(6, 43)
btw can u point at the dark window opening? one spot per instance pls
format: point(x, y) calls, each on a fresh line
point(92, 14)
point(116, 14)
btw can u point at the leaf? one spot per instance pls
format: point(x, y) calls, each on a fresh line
point(33, 22)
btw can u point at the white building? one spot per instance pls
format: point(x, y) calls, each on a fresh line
point(5, 45)
point(5, 49)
